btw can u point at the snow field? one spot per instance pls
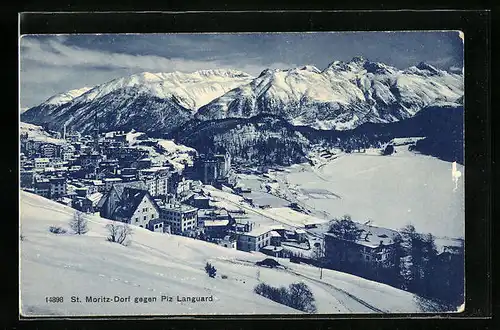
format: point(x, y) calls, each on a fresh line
point(156, 265)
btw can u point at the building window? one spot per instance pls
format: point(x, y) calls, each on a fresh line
point(136, 219)
point(145, 217)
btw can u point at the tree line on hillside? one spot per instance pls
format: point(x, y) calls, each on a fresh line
point(414, 264)
point(272, 140)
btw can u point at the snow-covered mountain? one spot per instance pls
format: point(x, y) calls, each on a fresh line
point(66, 97)
point(343, 96)
point(144, 101)
point(47, 108)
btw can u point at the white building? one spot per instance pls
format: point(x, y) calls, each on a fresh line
point(156, 179)
point(41, 163)
point(67, 153)
point(180, 217)
point(255, 238)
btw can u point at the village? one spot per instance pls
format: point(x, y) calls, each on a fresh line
point(125, 177)
point(103, 175)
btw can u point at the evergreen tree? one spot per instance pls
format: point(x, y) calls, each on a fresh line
point(429, 264)
point(79, 223)
point(396, 263)
point(345, 228)
point(210, 270)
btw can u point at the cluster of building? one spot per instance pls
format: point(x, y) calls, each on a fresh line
point(102, 174)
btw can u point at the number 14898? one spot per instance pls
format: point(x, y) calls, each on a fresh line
point(54, 299)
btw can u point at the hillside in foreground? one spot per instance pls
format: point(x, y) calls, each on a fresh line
point(156, 265)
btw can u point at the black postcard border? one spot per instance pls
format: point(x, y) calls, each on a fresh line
point(478, 150)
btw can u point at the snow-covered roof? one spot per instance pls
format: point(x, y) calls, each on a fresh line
point(112, 179)
point(154, 168)
point(131, 198)
point(178, 207)
point(272, 248)
point(215, 223)
point(212, 213)
point(300, 231)
point(95, 198)
point(371, 236)
point(275, 234)
point(258, 231)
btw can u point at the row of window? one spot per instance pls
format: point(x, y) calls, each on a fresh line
point(145, 218)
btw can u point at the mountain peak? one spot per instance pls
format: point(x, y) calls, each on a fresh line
point(427, 67)
point(268, 71)
point(358, 59)
point(310, 68)
point(378, 68)
point(337, 66)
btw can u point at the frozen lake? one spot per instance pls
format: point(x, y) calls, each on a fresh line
point(392, 191)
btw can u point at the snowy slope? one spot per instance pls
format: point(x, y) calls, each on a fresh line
point(156, 264)
point(190, 90)
point(47, 109)
point(145, 101)
point(342, 96)
point(163, 151)
point(66, 97)
point(37, 133)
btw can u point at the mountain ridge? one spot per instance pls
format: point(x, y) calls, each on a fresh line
point(152, 97)
point(342, 96)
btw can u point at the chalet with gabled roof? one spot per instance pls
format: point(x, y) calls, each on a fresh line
point(136, 207)
point(108, 204)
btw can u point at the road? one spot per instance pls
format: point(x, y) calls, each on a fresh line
point(276, 218)
point(345, 296)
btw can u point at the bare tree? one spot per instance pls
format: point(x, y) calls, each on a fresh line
point(118, 232)
point(79, 223)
